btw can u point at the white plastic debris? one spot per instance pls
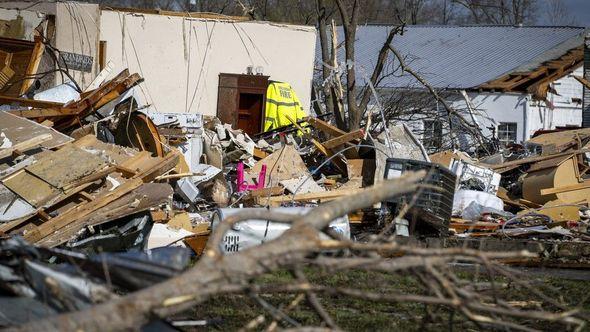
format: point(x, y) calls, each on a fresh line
point(163, 235)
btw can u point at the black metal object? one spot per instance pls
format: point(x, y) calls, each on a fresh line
point(432, 208)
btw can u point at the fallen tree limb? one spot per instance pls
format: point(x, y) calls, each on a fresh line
point(215, 273)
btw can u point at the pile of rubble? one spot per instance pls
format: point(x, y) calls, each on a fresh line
point(102, 183)
point(536, 190)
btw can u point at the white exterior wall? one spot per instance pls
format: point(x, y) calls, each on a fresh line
point(181, 58)
point(77, 30)
point(493, 108)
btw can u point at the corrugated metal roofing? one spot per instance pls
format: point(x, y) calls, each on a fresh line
point(460, 57)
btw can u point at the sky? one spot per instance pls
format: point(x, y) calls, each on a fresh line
point(580, 10)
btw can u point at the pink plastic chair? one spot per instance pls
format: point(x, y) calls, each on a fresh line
point(243, 185)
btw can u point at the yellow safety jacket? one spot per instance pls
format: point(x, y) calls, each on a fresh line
point(281, 101)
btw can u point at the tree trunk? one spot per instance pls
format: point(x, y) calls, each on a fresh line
point(322, 23)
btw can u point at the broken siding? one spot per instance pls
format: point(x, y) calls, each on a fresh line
point(569, 90)
point(181, 58)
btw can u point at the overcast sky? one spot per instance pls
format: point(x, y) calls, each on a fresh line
point(580, 10)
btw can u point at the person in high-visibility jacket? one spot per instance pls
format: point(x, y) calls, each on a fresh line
point(281, 101)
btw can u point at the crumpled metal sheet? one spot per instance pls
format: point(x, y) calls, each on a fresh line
point(251, 233)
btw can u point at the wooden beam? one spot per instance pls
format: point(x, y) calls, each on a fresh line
point(324, 126)
point(582, 80)
point(44, 112)
point(28, 102)
point(342, 139)
point(533, 159)
point(324, 195)
point(33, 65)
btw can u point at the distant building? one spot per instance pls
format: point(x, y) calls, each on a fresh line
point(520, 79)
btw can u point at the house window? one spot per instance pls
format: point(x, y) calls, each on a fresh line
point(432, 135)
point(507, 132)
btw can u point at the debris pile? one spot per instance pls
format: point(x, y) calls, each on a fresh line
point(140, 179)
point(538, 190)
point(136, 143)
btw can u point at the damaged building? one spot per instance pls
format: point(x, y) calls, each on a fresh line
point(154, 164)
point(513, 80)
point(208, 58)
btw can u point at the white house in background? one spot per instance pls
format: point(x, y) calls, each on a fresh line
point(520, 79)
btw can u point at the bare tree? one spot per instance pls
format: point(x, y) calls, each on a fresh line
point(512, 12)
point(557, 13)
point(349, 17)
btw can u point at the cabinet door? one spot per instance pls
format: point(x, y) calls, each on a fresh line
point(227, 104)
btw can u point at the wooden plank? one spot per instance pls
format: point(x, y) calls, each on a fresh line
point(91, 178)
point(325, 127)
point(26, 145)
point(141, 199)
point(323, 196)
point(260, 154)
point(271, 191)
point(44, 112)
point(18, 129)
point(80, 211)
point(30, 188)
point(8, 227)
point(33, 66)
point(474, 226)
point(164, 165)
point(28, 102)
point(66, 166)
point(342, 139)
point(582, 80)
point(533, 159)
point(102, 54)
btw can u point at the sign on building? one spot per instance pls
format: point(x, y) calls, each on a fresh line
point(74, 61)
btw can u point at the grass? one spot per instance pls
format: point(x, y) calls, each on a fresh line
point(232, 312)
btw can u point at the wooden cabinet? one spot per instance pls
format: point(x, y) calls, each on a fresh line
point(241, 100)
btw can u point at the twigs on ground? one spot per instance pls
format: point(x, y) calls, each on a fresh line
point(302, 247)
